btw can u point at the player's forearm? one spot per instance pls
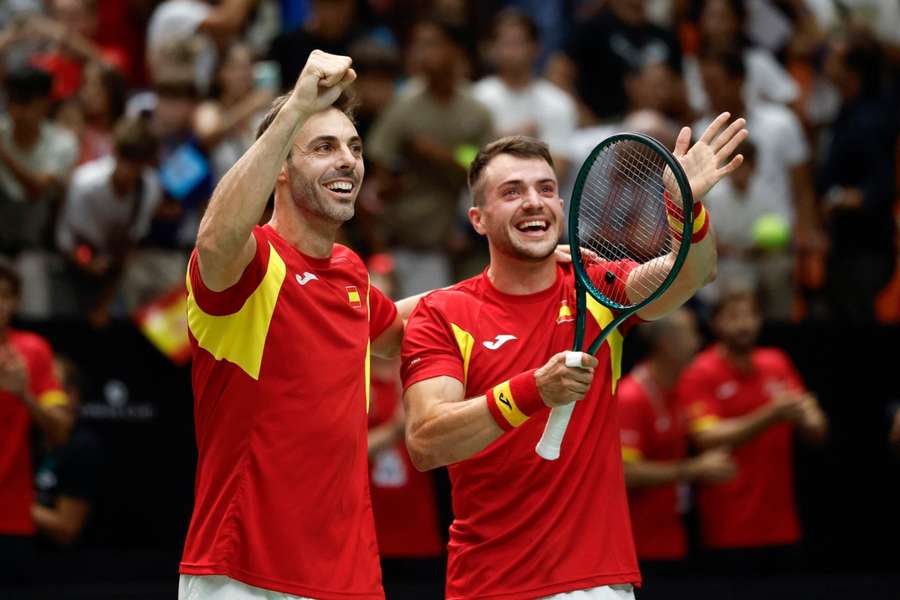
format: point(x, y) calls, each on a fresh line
point(699, 269)
point(647, 473)
point(384, 436)
point(64, 522)
point(738, 430)
point(241, 196)
point(450, 432)
point(55, 422)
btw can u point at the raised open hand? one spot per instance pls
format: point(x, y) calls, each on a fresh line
point(707, 161)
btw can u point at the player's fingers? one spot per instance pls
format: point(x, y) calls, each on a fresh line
point(714, 127)
point(727, 135)
point(589, 360)
point(583, 376)
point(725, 151)
point(335, 71)
point(733, 164)
point(683, 142)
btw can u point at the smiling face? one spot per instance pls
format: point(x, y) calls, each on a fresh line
point(519, 210)
point(325, 169)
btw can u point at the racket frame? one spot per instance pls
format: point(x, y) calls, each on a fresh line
point(551, 440)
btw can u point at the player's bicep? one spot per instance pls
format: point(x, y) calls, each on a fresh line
point(219, 273)
point(422, 398)
point(387, 344)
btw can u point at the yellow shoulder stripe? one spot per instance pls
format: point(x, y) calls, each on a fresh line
point(630, 455)
point(703, 423)
point(466, 342)
point(53, 398)
point(614, 340)
point(240, 337)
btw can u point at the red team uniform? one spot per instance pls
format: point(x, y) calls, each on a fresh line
point(403, 500)
point(653, 429)
point(755, 508)
point(280, 376)
point(16, 475)
point(525, 527)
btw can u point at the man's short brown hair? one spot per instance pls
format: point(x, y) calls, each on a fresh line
point(134, 139)
point(346, 103)
point(519, 146)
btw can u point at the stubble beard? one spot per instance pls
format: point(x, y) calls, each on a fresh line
point(309, 195)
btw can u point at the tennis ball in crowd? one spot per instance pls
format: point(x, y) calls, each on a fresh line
point(464, 154)
point(771, 232)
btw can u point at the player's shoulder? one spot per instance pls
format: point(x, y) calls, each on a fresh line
point(29, 342)
point(707, 363)
point(629, 392)
point(458, 298)
point(770, 357)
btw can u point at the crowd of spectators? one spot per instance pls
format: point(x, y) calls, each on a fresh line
point(117, 119)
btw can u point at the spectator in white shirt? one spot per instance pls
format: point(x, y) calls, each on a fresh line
point(782, 171)
point(520, 102)
point(108, 209)
point(721, 26)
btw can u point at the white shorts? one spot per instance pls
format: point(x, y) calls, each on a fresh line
point(219, 587)
point(604, 592)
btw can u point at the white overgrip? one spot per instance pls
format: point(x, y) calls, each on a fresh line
point(555, 430)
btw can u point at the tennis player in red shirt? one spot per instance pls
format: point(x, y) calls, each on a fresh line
point(749, 400)
point(655, 443)
point(29, 395)
point(524, 527)
point(282, 322)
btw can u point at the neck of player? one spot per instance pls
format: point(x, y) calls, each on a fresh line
point(519, 277)
point(663, 373)
point(309, 233)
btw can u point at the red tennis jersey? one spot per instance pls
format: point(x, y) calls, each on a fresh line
point(525, 527)
point(16, 476)
point(653, 429)
point(280, 377)
point(403, 499)
point(756, 507)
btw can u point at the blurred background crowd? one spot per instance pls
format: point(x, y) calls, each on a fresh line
point(118, 117)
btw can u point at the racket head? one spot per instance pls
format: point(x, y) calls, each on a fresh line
point(621, 185)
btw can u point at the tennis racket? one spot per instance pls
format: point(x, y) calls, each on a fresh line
point(632, 201)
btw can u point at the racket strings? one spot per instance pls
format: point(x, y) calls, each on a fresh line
point(623, 215)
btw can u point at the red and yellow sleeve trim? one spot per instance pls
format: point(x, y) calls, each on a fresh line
point(675, 215)
point(52, 398)
point(513, 401)
point(703, 423)
point(630, 455)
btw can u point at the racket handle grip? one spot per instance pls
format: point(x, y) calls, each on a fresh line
point(548, 447)
point(555, 430)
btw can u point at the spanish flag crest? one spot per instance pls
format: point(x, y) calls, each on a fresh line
point(353, 296)
point(565, 313)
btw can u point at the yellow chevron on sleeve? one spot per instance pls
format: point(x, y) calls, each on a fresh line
point(52, 398)
point(466, 342)
point(703, 423)
point(240, 337)
point(603, 316)
point(630, 455)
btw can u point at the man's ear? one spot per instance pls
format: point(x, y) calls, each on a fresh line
point(282, 174)
point(475, 218)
